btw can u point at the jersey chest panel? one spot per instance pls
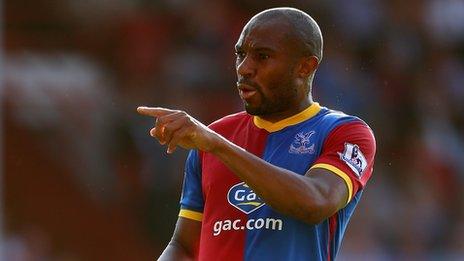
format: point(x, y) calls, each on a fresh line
point(219, 213)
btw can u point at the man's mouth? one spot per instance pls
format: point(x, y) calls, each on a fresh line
point(246, 91)
point(246, 94)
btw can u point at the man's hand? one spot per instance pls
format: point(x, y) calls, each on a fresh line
point(176, 128)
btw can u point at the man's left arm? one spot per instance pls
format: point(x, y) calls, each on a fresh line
point(311, 198)
point(343, 168)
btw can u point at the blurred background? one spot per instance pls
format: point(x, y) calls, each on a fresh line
point(82, 180)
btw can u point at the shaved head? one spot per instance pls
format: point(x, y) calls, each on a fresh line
point(277, 55)
point(303, 29)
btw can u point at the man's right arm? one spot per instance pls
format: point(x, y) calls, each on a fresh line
point(185, 242)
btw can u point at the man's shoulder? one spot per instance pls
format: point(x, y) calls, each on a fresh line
point(332, 119)
point(339, 116)
point(232, 120)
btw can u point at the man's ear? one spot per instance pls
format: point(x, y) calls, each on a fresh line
point(308, 65)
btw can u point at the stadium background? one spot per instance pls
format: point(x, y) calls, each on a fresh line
point(82, 180)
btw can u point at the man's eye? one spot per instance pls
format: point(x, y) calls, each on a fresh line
point(240, 54)
point(263, 56)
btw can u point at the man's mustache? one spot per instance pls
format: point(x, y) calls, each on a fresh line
point(248, 83)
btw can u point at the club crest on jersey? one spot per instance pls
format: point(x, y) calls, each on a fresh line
point(243, 198)
point(301, 144)
point(354, 158)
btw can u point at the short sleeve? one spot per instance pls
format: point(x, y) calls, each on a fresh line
point(349, 152)
point(192, 196)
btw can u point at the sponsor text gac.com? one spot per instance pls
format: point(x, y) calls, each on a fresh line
point(251, 224)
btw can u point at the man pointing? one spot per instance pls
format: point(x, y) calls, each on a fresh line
point(281, 180)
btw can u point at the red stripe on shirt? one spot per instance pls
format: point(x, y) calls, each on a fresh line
point(333, 220)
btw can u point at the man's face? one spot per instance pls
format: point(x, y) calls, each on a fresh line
point(265, 68)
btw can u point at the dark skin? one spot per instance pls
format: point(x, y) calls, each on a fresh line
point(267, 70)
point(266, 63)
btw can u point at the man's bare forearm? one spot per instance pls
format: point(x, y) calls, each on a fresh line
point(284, 190)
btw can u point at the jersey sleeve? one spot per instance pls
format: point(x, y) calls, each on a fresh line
point(191, 203)
point(348, 152)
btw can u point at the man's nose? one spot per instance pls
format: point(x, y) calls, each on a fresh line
point(245, 67)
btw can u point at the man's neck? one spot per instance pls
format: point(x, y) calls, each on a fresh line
point(278, 116)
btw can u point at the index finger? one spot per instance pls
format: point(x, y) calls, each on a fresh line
point(154, 111)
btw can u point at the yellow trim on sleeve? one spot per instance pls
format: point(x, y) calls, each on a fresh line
point(198, 216)
point(308, 113)
point(339, 173)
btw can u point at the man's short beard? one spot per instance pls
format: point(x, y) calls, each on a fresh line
point(263, 110)
point(269, 107)
point(255, 111)
point(282, 102)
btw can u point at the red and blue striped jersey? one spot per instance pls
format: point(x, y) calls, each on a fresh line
point(237, 224)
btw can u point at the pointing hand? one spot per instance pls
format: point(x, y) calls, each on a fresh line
point(176, 128)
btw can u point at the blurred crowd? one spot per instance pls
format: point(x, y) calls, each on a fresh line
point(84, 181)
